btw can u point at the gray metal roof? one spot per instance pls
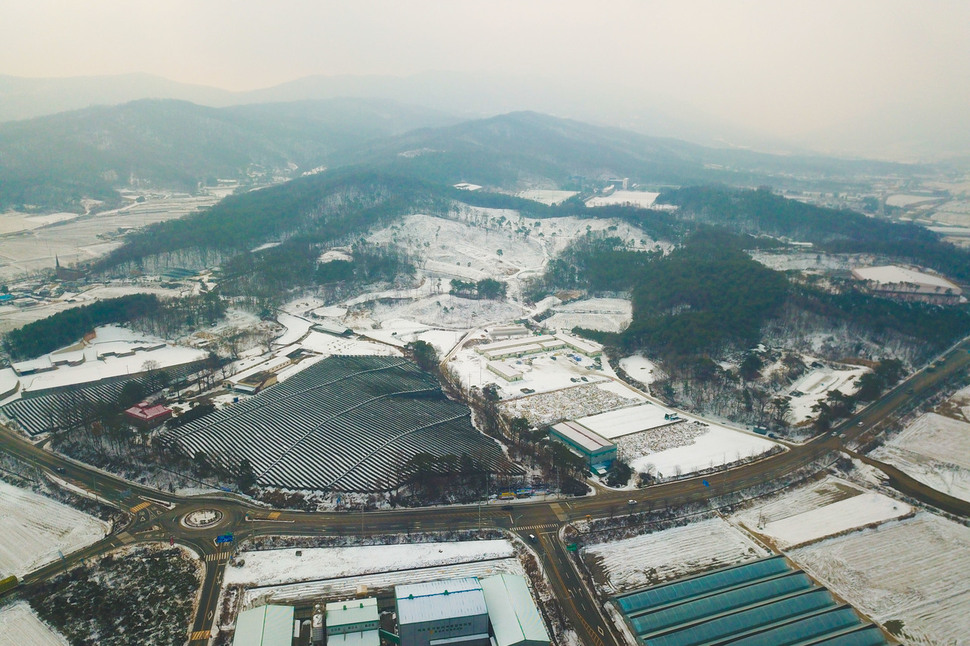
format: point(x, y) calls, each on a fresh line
point(513, 613)
point(265, 626)
point(434, 600)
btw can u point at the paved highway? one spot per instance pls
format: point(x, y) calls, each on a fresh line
point(157, 516)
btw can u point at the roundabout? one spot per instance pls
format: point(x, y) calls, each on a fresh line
point(202, 518)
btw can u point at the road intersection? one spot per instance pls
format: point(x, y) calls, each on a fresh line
point(157, 516)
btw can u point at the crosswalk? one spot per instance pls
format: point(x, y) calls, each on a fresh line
point(218, 556)
point(137, 508)
point(200, 635)
point(534, 527)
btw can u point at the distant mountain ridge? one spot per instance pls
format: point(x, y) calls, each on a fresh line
point(53, 162)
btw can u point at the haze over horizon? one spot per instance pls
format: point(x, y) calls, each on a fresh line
point(885, 79)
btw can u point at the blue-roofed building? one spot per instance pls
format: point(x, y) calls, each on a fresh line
point(439, 613)
point(760, 603)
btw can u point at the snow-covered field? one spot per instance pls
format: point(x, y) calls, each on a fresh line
point(20, 626)
point(914, 571)
point(826, 508)
point(36, 528)
point(815, 387)
point(700, 445)
point(280, 576)
point(640, 368)
point(81, 239)
point(670, 554)
point(643, 199)
point(935, 450)
point(605, 314)
point(546, 196)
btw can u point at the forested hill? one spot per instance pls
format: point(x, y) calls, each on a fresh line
point(762, 212)
point(53, 162)
point(519, 148)
point(317, 208)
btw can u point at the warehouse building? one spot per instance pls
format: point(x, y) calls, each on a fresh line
point(597, 450)
point(353, 623)
point(512, 613)
point(264, 626)
point(441, 613)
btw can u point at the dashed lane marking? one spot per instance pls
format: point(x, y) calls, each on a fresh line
point(142, 505)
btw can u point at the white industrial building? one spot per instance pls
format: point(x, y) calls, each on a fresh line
point(512, 613)
point(440, 613)
point(353, 623)
point(500, 332)
point(264, 626)
point(629, 420)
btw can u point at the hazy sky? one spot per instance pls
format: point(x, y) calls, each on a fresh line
point(779, 66)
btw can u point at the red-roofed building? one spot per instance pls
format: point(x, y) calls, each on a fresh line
point(148, 415)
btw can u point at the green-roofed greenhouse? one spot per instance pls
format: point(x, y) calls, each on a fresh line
point(761, 603)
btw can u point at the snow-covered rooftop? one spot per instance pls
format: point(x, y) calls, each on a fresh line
point(421, 602)
point(626, 421)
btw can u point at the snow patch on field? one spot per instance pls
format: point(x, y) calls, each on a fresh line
point(934, 450)
point(640, 368)
point(329, 573)
point(546, 196)
point(642, 199)
point(275, 567)
point(703, 447)
point(858, 511)
point(20, 626)
point(36, 528)
point(915, 571)
point(605, 314)
point(669, 554)
point(815, 387)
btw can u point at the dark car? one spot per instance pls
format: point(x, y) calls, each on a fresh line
point(506, 507)
point(60, 469)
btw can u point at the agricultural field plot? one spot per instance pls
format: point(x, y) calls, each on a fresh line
point(668, 554)
point(90, 236)
point(815, 387)
point(36, 530)
point(694, 446)
point(548, 197)
point(12, 317)
point(279, 576)
point(935, 450)
point(640, 368)
point(343, 424)
point(641, 199)
point(605, 314)
point(796, 501)
point(911, 576)
point(20, 626)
